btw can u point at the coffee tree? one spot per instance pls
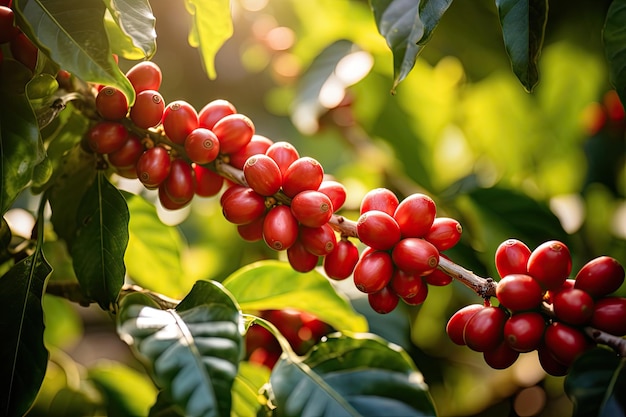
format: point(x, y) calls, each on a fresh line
point(101, 155)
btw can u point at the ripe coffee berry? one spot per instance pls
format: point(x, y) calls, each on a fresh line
point(153, 167)
point(167, 202)
point(373, 272)
point(418, 298)
point(381, 199)
point(512, 257)
point(147, 111)
point(444, 233)
point(549, 363)
point(573, 306)
point(456, 323)
point(406, 285)
point(111, 103)
point(253, 231)
point(415, 255)
point(300, 258)
point(180, 183)
point(8, 30)
point(280, 228)
point(257, 145)
point(24, 51)
point(208, 183)
point(145, 75)
point(378, 230)
point(303, 174)
point(600, 276)
point(319, 241)
point(243, 206)
point(523, 332)
point(335, 191)
point(234, 132)
point(383, 301)
point(179, 120)
point(202, 146)
point(128, 155)
point(565, 342)
point(609, 315)
point(550, 264)
point(519, 292)
point(283, 153)
point(339, 264)
point(484, 331)
point(415, 215)
point(214, 111)
point(438, 278)
point(262, 175)
point(107, 137)
point(311, 208)
point(501, 357)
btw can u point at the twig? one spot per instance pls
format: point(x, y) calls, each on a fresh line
point(616, 343)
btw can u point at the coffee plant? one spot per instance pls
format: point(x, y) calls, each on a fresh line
point(248, 274)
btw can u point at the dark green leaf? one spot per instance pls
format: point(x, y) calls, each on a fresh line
point(72, 34)
point(407, 26)
point(192, 352)
point(614, 36)
point(25, 357)
point(132, 35)
point(523, 27)
point(596, 384)
point(101, 240)
point(351, 376)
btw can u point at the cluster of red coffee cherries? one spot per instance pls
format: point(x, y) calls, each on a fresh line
point(22, 49)
point(541, 308)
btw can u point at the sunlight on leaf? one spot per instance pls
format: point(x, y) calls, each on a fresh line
point(135, 25)
point(614, 37)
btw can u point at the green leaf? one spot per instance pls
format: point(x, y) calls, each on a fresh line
point(407, 25)
point(101, 240)
point(192, 352)
point(596, 384)
point(351, 376)
point(130, 26)
point(523, 28)
point(20, 147)
point(212, 26)
point(25, 357)
point(72, 34)
point(248, 384)
point(614, 37)
point(274, 285)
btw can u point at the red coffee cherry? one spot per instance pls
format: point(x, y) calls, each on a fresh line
point(24, 51)
point(484, 331)
point(373, 272)
point(300, 258)
point(418, 298)
point(167, 202)
point(406, 285)
point(280, 228)
point(415, 215)
point(519, 292)
point(381, 199)
point(214, 111)
point(148, 109)
point(444, 233)
point(335, 191)
point(202, 146)
point(378, 230)
point(243, 206)
point(456, 323)
point(107, 137)
point(180, 184)
point(549, 295)
point(549, 363)
point(230, 190)
point(145, 75)
point(234, 132)
point(501, 357)
point(111, 103)
point(383, 301)
point(573, 306)
point(438, 278)
point(208, 183)
point(128, 155)
point(8, 30)
point(600, 276)
point(253, 231)
point(153, 167)
point(319, 241)
point(179, 120)
point(512, 257)
point(311, 208)
point(609, 315)
point(262, 175)
point(523, 332)
point(303, 174)
point(339, 264)
point(550, 264)
point(283, 153)
point(415, 255)
point(257, 145)
point(565, 342)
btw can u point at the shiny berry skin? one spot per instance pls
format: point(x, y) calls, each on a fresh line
point(335, 191)
point(311, 208)
point(208, 183)
point(444, 233)
point(107, 137)
point(128, 154)
point(549, 363)
point(145, 75)
point(153, 167)
point(262, 175)
point(234, 132)
point(167, 202)
point(339, 264)
point(257, 145)
point(253, 231)
point(519, 292)
point(600, 276)
point(381, 199)
point(565, 342)
point(550, 264)
point(202, 146)
point(415, 215)
point(243, 206)
point(573, 306)
point(378, 230)
point(284, 153)
point(373, 272)
point(300, 258)
point(303, 174)
point(8, 30)
point(415, 255)
point(280, 228)
point(511, 257)
point(484, 331)
point(456, 323)
point(111, 103)
point(404, 284)
point(230, 190)
point(438, 278)
point(418, 298)
point(214, 111)
point(523, 332)
point(549, 295)
point(180, 184)
point(179, 120)
point(383, 301)
point(24, 51)
point(609, 315)
point(147, 111)
point(501, 357)
point(319, 241)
